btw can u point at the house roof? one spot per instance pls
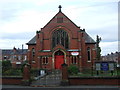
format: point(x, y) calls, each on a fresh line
point(32, 41)
point(88, 39)
point(6, 51)
point(11, 51)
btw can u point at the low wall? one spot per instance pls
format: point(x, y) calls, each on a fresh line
point(11, 80)
point(94, 80)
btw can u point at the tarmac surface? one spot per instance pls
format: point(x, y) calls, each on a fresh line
point(80, 87)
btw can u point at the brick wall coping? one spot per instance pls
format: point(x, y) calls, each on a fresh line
point(91, 77)
point(12, 77)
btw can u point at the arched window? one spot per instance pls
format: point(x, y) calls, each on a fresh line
point(33, 53)
point(60, 37)
point(88, 54)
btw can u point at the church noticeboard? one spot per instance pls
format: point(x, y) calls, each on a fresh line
point(98, 66)
point(104, 66)
point(111, 66)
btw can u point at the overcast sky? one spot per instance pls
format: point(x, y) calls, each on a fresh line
point(20, 19)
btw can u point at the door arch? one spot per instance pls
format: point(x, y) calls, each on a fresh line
point(58, 59)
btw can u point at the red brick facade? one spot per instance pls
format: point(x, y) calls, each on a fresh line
point(43, 49)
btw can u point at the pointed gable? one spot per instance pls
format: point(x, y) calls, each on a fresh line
point(60, 19)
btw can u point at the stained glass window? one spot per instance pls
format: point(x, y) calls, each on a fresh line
point(60, 37)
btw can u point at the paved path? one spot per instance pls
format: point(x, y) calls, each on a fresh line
point(53, 79)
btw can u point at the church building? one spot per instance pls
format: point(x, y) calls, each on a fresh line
point(61, 41)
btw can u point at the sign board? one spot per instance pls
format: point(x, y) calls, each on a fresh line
point(98, 66)
point(104, 66)
point(75, 53)
point(42, 72)
point(111, 66)
point(18, 62)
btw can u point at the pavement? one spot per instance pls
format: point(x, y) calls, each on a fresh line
point(80, 87)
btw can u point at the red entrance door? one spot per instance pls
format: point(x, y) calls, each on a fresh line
point(59, 59)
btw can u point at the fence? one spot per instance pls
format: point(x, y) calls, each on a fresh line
point(86, 72)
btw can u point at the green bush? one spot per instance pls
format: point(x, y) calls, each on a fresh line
point(12, 72)
point(6, 65)
point(72, 69)
point(34, 72)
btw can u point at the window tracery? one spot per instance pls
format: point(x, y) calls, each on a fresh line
point(60, 37)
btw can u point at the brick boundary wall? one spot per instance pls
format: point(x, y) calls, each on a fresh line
point(94, 80)
point(11, 80)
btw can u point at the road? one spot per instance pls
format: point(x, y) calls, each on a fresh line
point(83, 87)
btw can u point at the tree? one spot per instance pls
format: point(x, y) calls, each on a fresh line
point(98, 49)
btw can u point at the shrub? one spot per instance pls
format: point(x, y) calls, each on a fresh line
point(12, 72)
point(6, 65)
point(34, 72)
point(72, 69)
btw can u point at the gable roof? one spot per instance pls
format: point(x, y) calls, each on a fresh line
point(88, 39)
point(32, 41)
point(63, 15)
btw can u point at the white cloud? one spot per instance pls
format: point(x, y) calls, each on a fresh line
point(9, 44)
point(97, 16)
point(27, 21)
point(108, 47)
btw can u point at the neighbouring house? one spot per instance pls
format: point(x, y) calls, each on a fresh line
point(112, 57)
point(16, 56)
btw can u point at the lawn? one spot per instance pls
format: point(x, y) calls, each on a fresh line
point(100, 73)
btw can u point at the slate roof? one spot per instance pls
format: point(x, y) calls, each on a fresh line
point(11, 52)
point(32, 41)
point(6, 51)
point(88, 39)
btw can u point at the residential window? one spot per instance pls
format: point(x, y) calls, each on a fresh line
point(88, 54)
point(5, 57)
point(25, 58)
point(19, 57)
point(15, 57)
point(60, 37)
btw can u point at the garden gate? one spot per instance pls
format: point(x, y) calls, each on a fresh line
point(52, 78)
